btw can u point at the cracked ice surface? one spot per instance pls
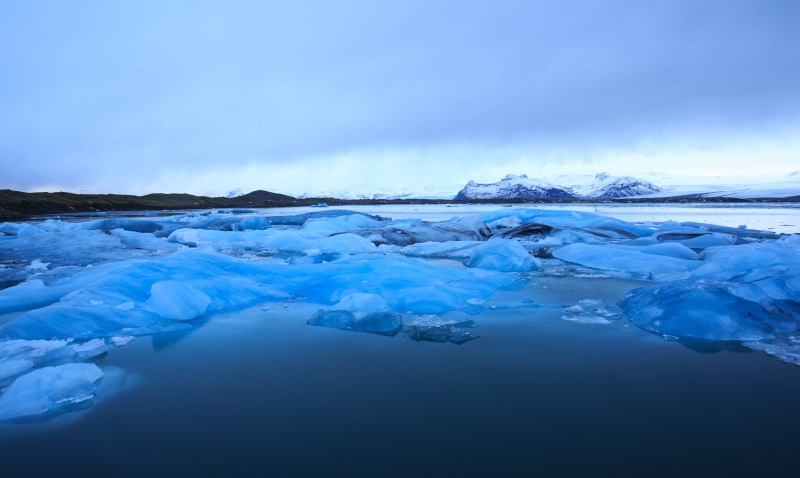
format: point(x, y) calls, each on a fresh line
point(71, 290)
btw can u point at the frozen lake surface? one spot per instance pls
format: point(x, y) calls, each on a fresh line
point(496, 367)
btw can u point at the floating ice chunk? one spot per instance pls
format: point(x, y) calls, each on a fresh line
point(502, 255)
point(786, 351)
point(443, 250)
point(28, 230)
point(589, 311)
point(50, 390)
point(740, 231)
point(37, 265)
point(403, 233)
point(340, 224)
point(361, 313)
point(431, 328)
point(505, 223)
point(17, 356)
point(92, 348)
point(176, 300)
point(598, 225)
point(705, 310)
point(669, 249)
point(624, 261)
point(121, 341)
point(744, 292)
point(586, 319)
point(293, 241)
point(64, 248)
point(696, 239)
point(191, 277)
point(145, 241)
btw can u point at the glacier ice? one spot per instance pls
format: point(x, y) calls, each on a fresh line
point(502, 255)
point(745, 292)
point(432, 328)
point(636, 262)
point(361, 313)
point(49, 390)
point(71, 290)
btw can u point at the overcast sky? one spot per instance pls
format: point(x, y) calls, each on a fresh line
point(207, 96)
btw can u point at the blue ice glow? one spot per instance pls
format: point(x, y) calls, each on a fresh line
point(71, 290)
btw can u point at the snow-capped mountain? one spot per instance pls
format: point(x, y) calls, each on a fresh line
point(610, 187)
point(514, 187)
point(237, 192)
point(601, 186)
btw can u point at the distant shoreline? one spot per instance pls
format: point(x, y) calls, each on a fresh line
point(15, 205)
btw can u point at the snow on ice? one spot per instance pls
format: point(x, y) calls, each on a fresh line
point(69, 290)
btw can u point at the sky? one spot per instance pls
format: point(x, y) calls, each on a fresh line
point(204, 97)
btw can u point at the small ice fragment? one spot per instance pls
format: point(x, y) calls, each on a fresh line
point(670, 337)
point(96, 302)
point(121, 341)
point(475, 301)
point(590, 302)
point(312, 252)
point(586, 319)
point(431, 328)
point(90, 349)
point(38, 265)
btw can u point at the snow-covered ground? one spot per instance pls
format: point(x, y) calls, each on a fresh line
point(587, 185)
point(73, 292)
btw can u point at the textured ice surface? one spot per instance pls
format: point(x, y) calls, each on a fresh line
point(629, 261)
point(502, 255)
point(69, 290)
point(746, 292)
point(49, 390)
point(17, 356)
point(589, 311)
point(361, 313)
point(432, 328)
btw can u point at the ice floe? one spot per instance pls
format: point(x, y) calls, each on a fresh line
point(69, 290)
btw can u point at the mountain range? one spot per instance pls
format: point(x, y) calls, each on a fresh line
point(602, 186)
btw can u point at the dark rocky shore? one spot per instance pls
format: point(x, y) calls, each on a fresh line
point(15, 205)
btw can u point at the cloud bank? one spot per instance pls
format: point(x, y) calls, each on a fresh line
point(204, 97)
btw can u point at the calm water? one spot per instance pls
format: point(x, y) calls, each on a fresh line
point(259, 393)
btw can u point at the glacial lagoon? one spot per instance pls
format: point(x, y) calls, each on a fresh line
point(545, 373)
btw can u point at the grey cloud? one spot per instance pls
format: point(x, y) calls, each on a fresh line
point(176, 85)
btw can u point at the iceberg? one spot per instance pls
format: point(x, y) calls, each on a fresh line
point(361, 313)
point(747, 292)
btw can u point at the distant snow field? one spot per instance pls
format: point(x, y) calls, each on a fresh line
point(584, 186)
point(73, 292)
